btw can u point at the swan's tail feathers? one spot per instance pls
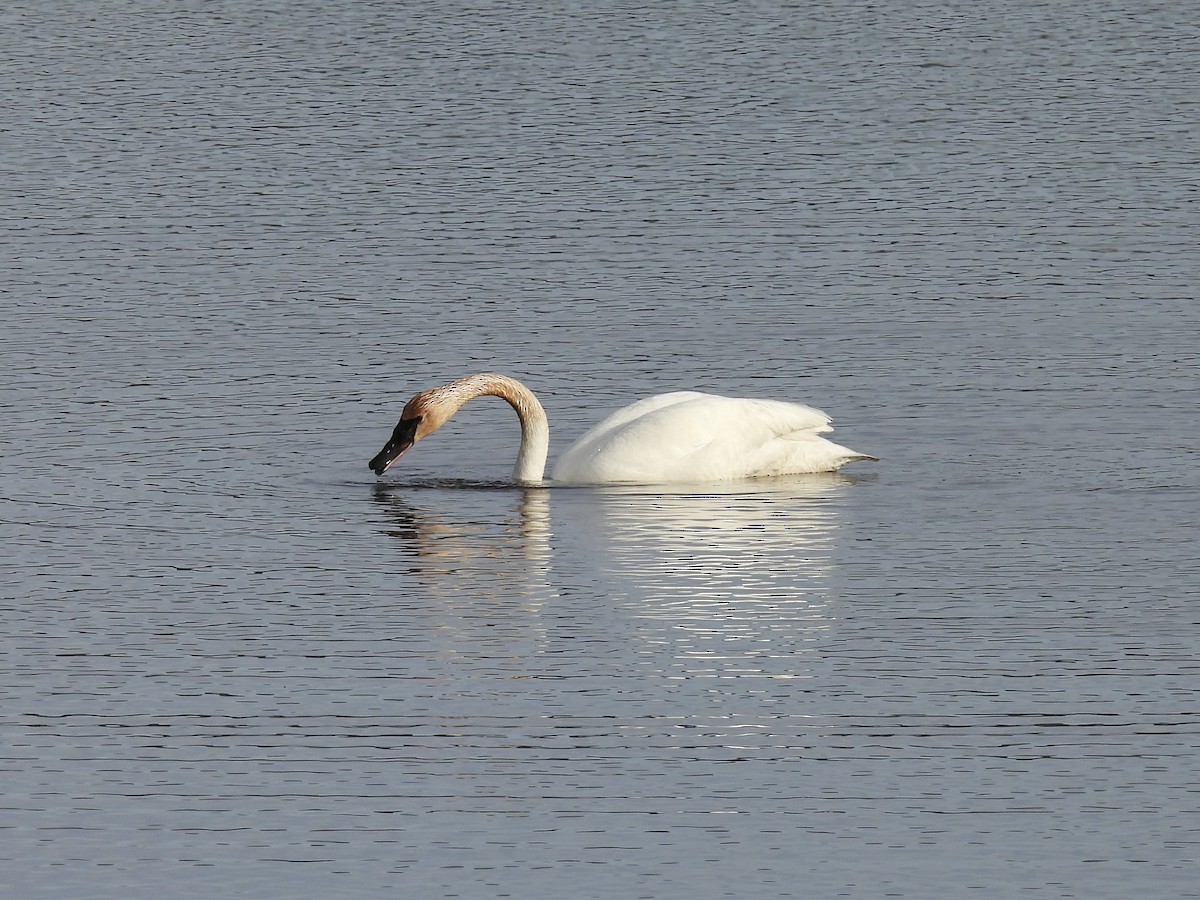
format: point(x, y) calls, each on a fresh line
point(853, 456)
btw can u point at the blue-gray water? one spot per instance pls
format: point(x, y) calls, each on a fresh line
point(237, 236)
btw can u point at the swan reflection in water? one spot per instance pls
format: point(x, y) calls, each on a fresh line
point(474, 564)
point(725, 580)
point(446, 533)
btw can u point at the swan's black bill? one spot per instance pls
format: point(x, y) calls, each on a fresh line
point(402, 438)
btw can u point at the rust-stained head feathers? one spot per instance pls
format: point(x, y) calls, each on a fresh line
point(429, 410)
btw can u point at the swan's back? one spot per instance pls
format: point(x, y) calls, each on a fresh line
point(689, 436)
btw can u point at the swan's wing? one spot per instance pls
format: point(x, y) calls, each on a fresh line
point(747, 438)
point(579, 462)
point(688, 436)
point(639, 410)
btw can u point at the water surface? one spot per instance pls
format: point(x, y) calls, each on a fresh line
point(239, 237)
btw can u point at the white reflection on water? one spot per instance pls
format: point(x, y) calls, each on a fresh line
point(695, 581)
point(716, 533)
point(722, 581)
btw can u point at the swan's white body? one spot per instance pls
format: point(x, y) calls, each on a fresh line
point(679, 437)
point(688, 436)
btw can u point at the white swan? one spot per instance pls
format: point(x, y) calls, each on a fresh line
point(682, 436)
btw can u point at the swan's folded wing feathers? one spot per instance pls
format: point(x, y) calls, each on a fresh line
point(637, 443)
point(780, 418)
point(638, 410)
point(688, 436)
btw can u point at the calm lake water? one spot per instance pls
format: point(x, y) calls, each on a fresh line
point(238, 236)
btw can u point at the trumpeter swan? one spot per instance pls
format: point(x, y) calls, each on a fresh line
point(682, 436)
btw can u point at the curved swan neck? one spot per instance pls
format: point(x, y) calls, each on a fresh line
point(535, 428)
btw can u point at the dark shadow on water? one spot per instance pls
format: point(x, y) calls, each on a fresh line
point(779, 485)
point(445, 484)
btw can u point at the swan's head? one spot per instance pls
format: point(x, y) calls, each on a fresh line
point(422, 416)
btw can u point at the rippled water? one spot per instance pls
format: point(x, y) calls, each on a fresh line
point(240, 235)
